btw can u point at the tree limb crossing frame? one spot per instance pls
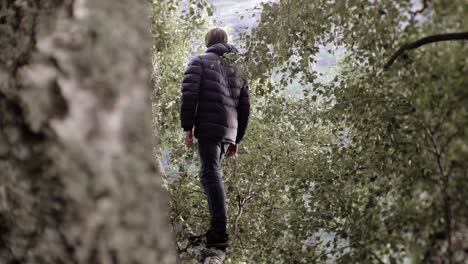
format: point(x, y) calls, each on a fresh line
point(424, 41)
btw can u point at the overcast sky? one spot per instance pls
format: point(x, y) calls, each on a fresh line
point(228, 12)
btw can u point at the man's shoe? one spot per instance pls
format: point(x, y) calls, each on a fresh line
point(213, 256)
point(217, 240)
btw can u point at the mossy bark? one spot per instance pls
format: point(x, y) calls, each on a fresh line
point(79, 181)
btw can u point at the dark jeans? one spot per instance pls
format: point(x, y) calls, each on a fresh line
point(211, 156)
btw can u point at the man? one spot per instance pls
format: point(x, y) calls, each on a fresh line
point(215, 104)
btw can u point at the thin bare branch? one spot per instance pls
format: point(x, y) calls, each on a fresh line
point(425, 41)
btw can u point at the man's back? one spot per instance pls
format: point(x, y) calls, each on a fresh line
point(214, 96)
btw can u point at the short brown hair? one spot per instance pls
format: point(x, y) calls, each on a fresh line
point(216, 35)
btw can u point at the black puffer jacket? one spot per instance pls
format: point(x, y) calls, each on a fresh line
point(215, 98)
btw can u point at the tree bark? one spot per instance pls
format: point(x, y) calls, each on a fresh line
point(79, 181)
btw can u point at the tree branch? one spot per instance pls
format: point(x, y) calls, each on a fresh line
point(446, 195)
point(377, 258)
point(425, 41)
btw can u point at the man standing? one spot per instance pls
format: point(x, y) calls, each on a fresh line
point(215, 104)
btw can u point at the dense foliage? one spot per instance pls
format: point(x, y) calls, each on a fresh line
point(371, 167)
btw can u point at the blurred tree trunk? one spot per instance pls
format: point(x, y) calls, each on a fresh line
point(79, 182)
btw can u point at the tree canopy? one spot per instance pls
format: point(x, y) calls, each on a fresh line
point(370, 166)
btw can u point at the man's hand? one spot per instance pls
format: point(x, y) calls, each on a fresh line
point(232, 151)
point(189, 139)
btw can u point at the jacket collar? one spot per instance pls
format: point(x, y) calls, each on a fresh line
point(220, 49)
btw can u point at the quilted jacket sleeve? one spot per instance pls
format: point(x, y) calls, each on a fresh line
point(243, 112)
point(190, 90)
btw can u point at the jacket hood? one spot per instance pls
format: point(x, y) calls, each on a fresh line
point(220, 49)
